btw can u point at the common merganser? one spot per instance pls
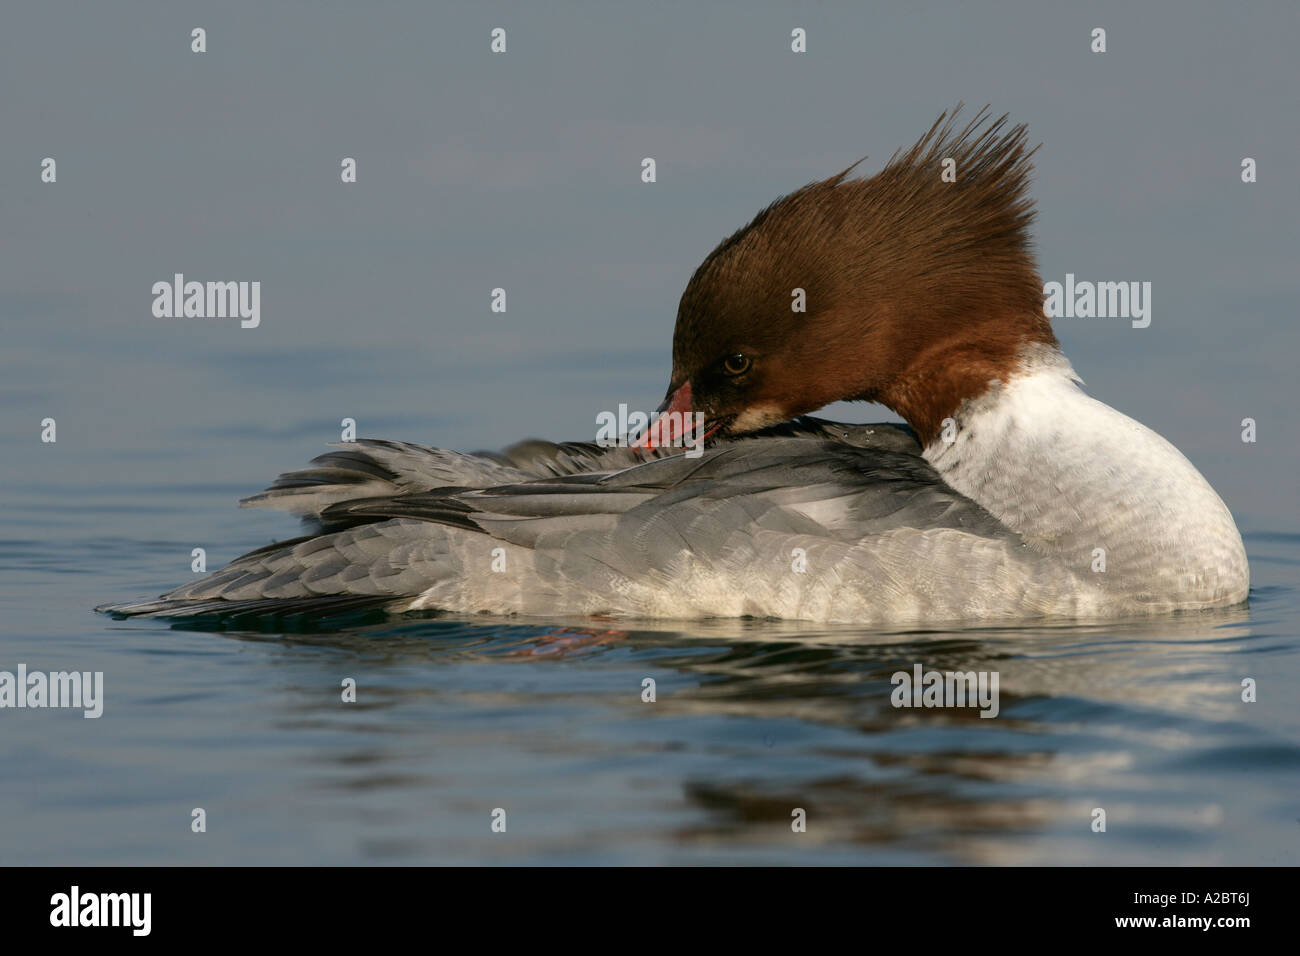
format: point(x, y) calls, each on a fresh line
point(1012, 496)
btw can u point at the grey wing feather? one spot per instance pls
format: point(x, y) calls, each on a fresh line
point(405, 520)
point(373, 468)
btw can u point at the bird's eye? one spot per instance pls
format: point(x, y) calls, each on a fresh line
point(736, 364)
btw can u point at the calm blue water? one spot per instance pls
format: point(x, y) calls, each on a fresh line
point(523, 171)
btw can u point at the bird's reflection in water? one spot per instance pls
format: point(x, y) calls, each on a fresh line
point(800, 717)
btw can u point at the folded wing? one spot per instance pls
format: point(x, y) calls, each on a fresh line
point(810, 519)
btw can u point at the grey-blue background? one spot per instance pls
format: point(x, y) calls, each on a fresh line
point(522, 170)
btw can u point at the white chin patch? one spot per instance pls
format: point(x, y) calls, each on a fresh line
point(758, 416)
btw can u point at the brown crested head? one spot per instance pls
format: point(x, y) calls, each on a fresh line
point(918, 292)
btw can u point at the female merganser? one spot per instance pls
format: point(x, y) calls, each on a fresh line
point(1013, 495)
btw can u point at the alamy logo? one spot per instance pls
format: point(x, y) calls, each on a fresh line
point(208, 300)
point(103, 909)
point(614, 429)
point(923, 688)
point(1101, 300)
point(82, 690)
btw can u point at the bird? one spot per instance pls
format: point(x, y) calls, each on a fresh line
point(1007, 494)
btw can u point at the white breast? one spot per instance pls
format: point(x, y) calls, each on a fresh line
point(1115, 502)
